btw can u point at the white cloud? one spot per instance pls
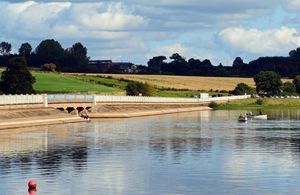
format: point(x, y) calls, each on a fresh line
point(269, 42)
point(293, 5)
point(106, 27)
point(124, 29)
point(108, 17)
point(98, 20)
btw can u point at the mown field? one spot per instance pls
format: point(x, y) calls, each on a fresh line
point(59, 83)
point(188, 82)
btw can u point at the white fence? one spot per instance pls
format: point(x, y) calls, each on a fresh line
point(143, 99)
point(56, 98)
point(70, 98)
point(21, 99)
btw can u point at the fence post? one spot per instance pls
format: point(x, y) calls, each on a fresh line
point(45, 100)
point(94, 100)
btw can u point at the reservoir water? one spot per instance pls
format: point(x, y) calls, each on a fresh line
point(207, 152)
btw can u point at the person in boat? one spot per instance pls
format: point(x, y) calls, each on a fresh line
point(260, 112)
point(249, 114)
point(242, 117)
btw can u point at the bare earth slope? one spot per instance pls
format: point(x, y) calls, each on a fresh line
point(135, 110)
point(13, 118)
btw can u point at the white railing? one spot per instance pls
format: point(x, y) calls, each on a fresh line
point(69, 98)
point(21, 99)
point(94, 99)
point(226, 98)
point(143, 99)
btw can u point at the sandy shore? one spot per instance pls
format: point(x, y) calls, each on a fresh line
point(14, 118)
point(127, 111)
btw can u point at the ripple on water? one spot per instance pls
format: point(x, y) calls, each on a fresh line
point(188, 153)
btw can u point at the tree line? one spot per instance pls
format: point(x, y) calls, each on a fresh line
point(48, 54)
point(268, 83)
point(288, 66)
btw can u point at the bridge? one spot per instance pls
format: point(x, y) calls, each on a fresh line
point(81, 102)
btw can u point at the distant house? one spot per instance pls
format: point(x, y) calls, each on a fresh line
point(124, 67)
point(107, 66)
point(103, 65)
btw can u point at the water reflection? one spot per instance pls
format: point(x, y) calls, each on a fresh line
point(205, 152)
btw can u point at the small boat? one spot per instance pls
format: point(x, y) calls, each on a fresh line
point(262, 116)
point(242, 118)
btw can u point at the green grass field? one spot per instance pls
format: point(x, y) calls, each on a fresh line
point(110, 82)
point(171, 93)
point(59, 83)
point(266, 103)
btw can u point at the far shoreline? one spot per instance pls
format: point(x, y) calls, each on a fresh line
point(260, 103)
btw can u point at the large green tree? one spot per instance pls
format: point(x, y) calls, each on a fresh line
point(238, 62)
point(17, 79)
point(267, 82)
point(179, 65)
point(49, 51)
point(79, 50)
point(25, 49)
point(78, 54)
point(155, 64)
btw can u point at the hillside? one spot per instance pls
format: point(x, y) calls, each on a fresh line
point(59, 83)
point(187, 82)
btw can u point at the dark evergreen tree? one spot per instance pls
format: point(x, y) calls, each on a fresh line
point(17, 79)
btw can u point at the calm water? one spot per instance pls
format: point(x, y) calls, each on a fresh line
point(205, 152)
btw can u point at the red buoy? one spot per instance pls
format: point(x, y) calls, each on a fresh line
point(32, 191)
point(32, 184)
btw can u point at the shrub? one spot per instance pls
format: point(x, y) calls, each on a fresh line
point(241, 89)
point(288, 88)
point(137, 88)
point(213, 104)
point(49, 67)
point(259, 102)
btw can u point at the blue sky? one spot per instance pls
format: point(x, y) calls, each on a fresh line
point(136, 30)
